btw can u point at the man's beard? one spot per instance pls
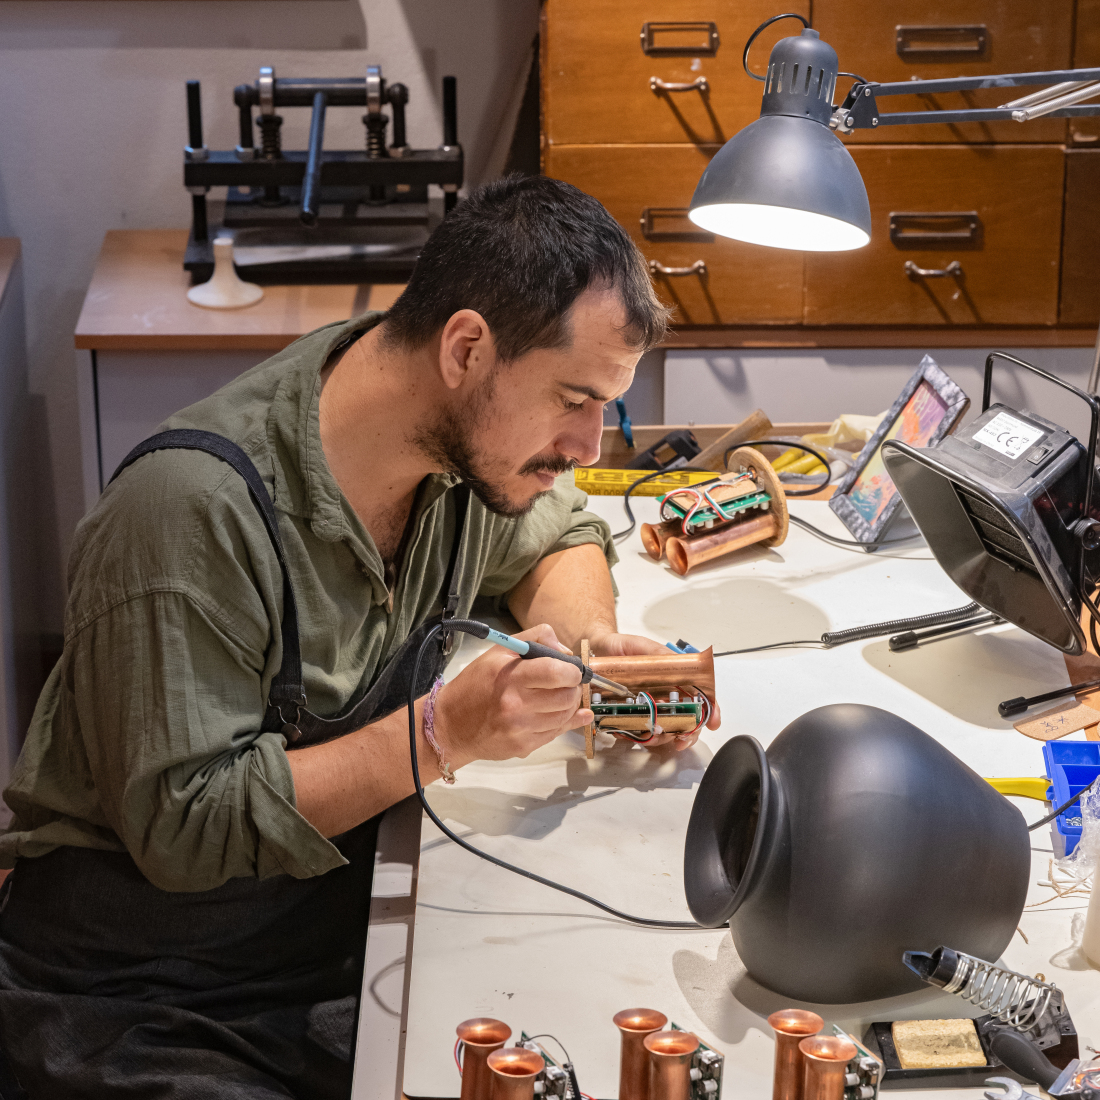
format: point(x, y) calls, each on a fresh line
point(448, 442)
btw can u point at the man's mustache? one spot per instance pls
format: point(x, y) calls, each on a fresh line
point(550, 464)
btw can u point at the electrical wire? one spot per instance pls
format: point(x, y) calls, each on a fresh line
point(798, 447)
point(630, 489)
point(1065, 806)
point(547, 1035)
point(752, 38)
point(649, 922)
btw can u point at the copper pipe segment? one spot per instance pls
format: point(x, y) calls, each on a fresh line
point(480, 1037)
point(634, 1025)
point(685, 554)
point(655, 535)
point(674, 670)
point(670, 1054)
point(825, 1062)
point(514, 1070)
point(791, 1026)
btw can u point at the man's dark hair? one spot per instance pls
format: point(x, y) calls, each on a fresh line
point(520, 251)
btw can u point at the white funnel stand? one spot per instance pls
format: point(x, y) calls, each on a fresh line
point(226, 290)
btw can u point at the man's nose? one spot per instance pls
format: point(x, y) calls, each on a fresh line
point(582, 442)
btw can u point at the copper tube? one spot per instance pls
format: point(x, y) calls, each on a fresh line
point(635, 1024)
point(670, 1054)
point(655, 535)
point(676, 670)
point(685, 554)
point(825, 1062)
point(791, 1026)
point(480, 1037)
point(514, 1070)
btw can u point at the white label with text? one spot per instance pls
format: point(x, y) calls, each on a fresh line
point(1008, 435)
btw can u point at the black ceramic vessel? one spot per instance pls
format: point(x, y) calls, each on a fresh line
point(854, 838)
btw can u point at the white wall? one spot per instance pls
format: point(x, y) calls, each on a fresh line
point(723, 387)
point(92, 125)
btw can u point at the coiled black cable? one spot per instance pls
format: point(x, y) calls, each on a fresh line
point(477, 629)
point(895, 626)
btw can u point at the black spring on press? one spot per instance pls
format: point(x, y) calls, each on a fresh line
point(271, 144)
point(376, 135)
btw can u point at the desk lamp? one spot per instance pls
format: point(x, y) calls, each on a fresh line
point(1008, 508)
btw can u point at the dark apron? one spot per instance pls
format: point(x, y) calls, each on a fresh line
point(111, 987)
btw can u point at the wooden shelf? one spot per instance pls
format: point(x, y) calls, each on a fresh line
point(137, 301)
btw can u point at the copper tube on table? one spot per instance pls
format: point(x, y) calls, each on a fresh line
point(513, 1070)
point(676, 670)
point(670, 1054)
point(635, 1024)
point(791, 1026)
point(480, 1037)
point(655, 535)
point(825, 1062)
point(685, 554)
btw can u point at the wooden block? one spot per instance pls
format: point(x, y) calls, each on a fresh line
point(755, 426)
point(1059, 721)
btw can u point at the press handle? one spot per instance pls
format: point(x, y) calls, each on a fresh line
point(697, 268)
point(956, 40)
point(657, 85)
point(954, 268)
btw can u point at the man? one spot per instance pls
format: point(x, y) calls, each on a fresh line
point(193, 835)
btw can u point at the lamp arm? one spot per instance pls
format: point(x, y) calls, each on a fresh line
point(859, 111)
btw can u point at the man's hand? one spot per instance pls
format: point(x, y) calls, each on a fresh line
point(501, 707)
point(633, 645)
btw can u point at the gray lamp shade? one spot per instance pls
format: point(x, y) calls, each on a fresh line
point(786, 180)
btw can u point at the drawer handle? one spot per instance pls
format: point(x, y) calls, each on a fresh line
point(915, 43)
point(954, 268)
point(708, 33)
point(670, 223)
point(697, 268)
point(657, 85)
point(936, 229)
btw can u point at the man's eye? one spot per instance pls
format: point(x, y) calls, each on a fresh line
point(572, 406)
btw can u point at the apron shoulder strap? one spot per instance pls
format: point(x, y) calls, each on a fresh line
point(286, 686)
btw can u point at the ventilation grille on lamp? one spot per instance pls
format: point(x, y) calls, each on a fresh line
point(996, 534)
point(816, 82)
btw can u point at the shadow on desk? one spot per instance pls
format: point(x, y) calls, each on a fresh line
point(486, 811)
point(969, 675)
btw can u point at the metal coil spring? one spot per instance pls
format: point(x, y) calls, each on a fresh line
point(271, 146)
point(1012, 998)
point(376, 135)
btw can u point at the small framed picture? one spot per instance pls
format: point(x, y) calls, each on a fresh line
point(927, 409)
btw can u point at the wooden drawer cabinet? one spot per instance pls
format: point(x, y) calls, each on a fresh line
point(940, 38)
point(599, 58)
point(1007, 258)
point(1080, 304)
point(710, 280)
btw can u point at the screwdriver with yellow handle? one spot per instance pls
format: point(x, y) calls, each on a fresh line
point(1024, 786)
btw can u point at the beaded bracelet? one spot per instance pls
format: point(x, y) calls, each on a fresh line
point(429, 732)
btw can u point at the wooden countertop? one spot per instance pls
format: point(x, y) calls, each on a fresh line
point(137, 301)
point(9, 253)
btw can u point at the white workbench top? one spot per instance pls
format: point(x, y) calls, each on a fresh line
point(488, 943)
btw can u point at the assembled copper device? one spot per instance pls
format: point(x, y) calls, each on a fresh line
point(513, 1071)
point(745, 506)
point(791, 1026)
point(635, 1024)
point(479, 1038)
point(825, 1066)
point(672, 690)
point(670, 1061)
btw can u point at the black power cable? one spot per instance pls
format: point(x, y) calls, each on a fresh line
point(1065, 806)
point(471, 626)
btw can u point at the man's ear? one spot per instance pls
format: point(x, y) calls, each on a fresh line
point(466, 349)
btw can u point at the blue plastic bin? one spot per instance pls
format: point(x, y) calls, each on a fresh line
point(1071, 766)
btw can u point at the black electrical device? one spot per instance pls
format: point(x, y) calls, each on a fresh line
point(1007, 507)
point(671, 451)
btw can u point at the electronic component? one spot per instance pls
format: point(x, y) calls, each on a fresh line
point(636, 715)
point(558, 1079)
point(706, 1070)
point(864, 1073)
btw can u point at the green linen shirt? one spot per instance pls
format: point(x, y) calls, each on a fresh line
point(146, 736)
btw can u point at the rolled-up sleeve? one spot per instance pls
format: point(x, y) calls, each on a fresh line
point(169, 707)
point(557, 522)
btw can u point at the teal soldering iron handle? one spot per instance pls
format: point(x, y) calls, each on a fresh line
point(532, 650)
